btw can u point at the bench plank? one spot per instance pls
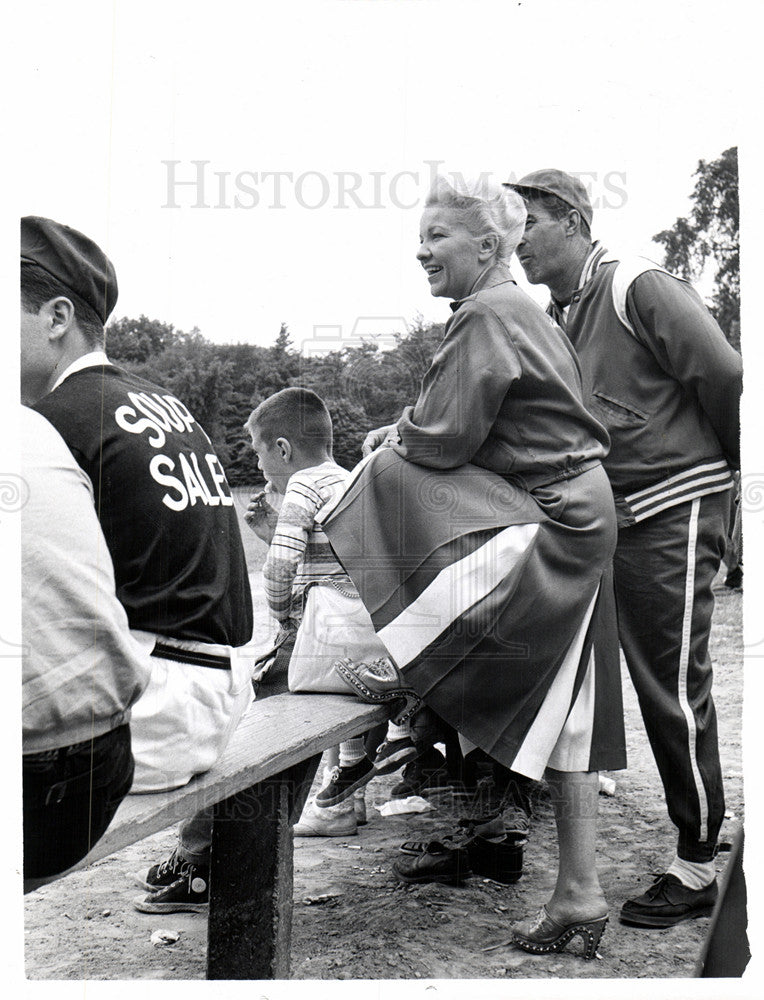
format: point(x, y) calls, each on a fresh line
point(277, 733)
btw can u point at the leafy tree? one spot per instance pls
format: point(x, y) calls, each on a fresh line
point(711, 230)
point(193, 371)
point(136, 340)
point(241, 464)
point(381, 383)
point(350, 425)
point(186, 364)
point(362, 386)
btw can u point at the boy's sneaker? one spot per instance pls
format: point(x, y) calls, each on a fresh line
point(393, 754)
point(189, 892)
point(344, 781)
point(329, 821)
point(164, 874)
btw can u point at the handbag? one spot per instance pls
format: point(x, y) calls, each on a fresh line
point(335, 624)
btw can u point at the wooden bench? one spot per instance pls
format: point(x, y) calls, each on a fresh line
point(258, 789)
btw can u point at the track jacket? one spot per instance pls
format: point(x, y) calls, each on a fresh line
point(660, 375)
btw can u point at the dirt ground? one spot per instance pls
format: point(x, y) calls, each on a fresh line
point(372, 927)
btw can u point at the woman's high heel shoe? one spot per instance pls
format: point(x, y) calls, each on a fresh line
point(544, 934)
point(379, 681)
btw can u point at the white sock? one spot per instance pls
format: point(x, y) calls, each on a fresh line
point(693, 874)
point(351, 751)
point(398, 732)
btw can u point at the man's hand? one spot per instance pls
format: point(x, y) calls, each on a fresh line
point(260, 516)
point(381, 436)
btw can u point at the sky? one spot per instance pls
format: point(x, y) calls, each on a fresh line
point(175, 119)
point(353, 104)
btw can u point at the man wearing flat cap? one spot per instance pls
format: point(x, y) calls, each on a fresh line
point(163, 502)
point(660, 375)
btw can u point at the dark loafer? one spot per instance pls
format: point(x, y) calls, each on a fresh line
point(500, 860)
point(667, 902)
point(438, 864)
point(423, 846)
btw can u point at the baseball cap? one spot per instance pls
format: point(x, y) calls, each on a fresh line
point(565, 186)
point(73, 259)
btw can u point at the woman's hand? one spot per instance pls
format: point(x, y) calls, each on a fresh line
point(261, 516)
point(379, 437)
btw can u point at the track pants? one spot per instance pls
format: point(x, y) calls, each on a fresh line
point(664, 567)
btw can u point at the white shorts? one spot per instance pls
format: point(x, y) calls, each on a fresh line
point(183, 721)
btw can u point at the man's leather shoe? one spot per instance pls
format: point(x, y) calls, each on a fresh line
point(438, 864)
point(500, 860)
point(667, 902)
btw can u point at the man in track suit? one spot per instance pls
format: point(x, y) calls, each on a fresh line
point(659, 373)
point(163, 502)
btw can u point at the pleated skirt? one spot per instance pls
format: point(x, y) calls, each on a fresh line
point(495, 603)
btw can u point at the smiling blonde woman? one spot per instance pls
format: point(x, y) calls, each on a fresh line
point(480, 539)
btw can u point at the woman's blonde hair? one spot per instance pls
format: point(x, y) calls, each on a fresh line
point(483, 207)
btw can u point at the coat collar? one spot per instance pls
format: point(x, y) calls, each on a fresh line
point(598, 255)
point(496, 275)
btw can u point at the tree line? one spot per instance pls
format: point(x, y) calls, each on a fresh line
point(364, 386)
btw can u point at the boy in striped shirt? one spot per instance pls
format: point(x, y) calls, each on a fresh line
point(291, 433)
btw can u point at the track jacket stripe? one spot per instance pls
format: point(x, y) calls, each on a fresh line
point(684, 657)
point(698, 470)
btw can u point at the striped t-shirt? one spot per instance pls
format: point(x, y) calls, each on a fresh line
point(300, 553)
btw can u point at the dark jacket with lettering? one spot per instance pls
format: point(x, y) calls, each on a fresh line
point(164, 504)
point(659, 374)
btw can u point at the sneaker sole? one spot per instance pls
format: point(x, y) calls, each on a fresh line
point(148, 907)
point(658, 921)
point(321, 833)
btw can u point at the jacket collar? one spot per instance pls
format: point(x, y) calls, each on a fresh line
point(598, 255)
point(499, 274)
point(93, 359)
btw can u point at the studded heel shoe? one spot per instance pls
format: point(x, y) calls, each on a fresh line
point(544, 934)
